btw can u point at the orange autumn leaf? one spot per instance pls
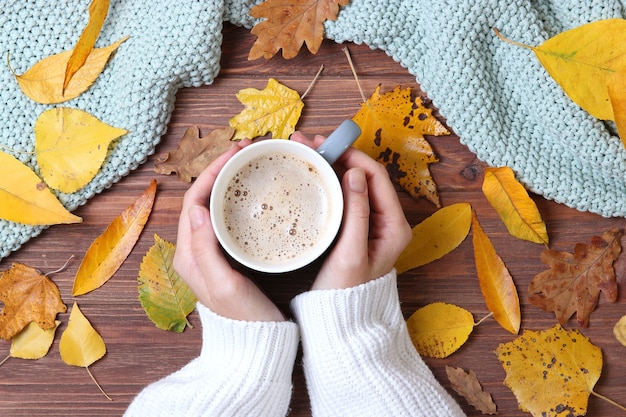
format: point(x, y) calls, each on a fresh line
point(109, 250)
point(98, 10)
point(393, 126)
point(288, 24)
point(194, 153)
point(496, 283)
point(28, 296)
point(574, 281)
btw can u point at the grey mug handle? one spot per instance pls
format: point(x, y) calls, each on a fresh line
point(339, 141)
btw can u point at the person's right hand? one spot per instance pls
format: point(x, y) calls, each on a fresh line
point(374, 231)
point(199, 259)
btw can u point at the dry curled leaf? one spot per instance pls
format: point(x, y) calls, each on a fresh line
point(466, 384)
point(288, 24)
point(43, 82)
point(28, 296)
point(393, 126)
point(165, 297)
point(440, 329)
point(574, 281)
point(516, 209)
point(71, 145)
point(194, 153)
point(551, 372)
point(275, 109)
point(436, 236)
point(496, 283)
point(26, 199)
point(109, 250)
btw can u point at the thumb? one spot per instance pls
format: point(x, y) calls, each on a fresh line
point(204, 244)
point(353, 241)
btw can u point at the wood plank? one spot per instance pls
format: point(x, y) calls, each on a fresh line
point(138, 353)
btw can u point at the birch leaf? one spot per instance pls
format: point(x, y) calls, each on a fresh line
point(98, 10)
point(71, 146)
point(26, 199)
point(584, 61)
point(33, 342)
point(436, 236)
point(514, 206)
point(274, 109)
point(393, 126)
point(551, 372)
point(28, 296)
point(109, 250)
point(496, 283)
point(165, 297)
point(43, 82)
point(439, 329)
point(619, 330)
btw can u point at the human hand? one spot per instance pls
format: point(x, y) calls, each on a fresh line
point(374, 231)
point(199, 259)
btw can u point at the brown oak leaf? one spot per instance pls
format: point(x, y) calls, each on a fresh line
point(194, 153)
point(28, 297)
point(288, 24)
point(466, 385)
point(574, 281)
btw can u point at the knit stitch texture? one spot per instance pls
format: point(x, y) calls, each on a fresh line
point(496, 97)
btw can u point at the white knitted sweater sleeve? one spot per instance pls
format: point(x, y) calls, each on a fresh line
point(358, 356)
point(244, 369)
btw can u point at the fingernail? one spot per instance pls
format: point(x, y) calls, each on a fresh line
point(197, 217)
point(357, 181)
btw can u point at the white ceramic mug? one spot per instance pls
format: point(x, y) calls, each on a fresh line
point(284, 220)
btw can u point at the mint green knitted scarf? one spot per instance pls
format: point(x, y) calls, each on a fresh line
point(496, 97)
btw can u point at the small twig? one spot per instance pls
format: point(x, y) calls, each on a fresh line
point(98, 385)
point(312, 82)
point(356, 78)
point(62, 268)
point(483, 319)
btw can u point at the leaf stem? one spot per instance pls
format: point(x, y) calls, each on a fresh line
point(97, 385)
point(6, 148)
point(62, 268)
point(356, 77)
point(483, 319)
point(4, 360)
point(512, 42)
point(312, 82)
point(610, 401)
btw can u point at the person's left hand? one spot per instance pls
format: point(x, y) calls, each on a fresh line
point(199, 259)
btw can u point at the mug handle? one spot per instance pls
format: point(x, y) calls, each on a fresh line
point(339, 141)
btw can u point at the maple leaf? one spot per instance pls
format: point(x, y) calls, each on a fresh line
point(551, 372)
point(194, 153)
point(574, 281)
point(28, 296)
point(467, 385)
point(275, 109)
point(393, 127)
point(165, 297)
point(288, 24)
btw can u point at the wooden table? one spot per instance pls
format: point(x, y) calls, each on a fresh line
point(138, 353)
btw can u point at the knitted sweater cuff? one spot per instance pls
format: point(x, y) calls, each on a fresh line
point(358, 356)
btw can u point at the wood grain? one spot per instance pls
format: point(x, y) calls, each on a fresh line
point(139, 353)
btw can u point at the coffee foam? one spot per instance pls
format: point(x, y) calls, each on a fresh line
point(276, 207)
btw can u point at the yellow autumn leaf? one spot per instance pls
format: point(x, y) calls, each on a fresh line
point(275, 109)
point(109, 250)
point(551, 372)
point(98, 10)
point(26, 199)
point(393, 127)
point(33, 342)
point(617, 96)
point(436, 236)
point(619, 330)
point(43, 82)
point(70, 146)
point(514, 206)
point(496, 283)
point(81, 345)
point(165, 297)
point(440, 329)
point(584, 61)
